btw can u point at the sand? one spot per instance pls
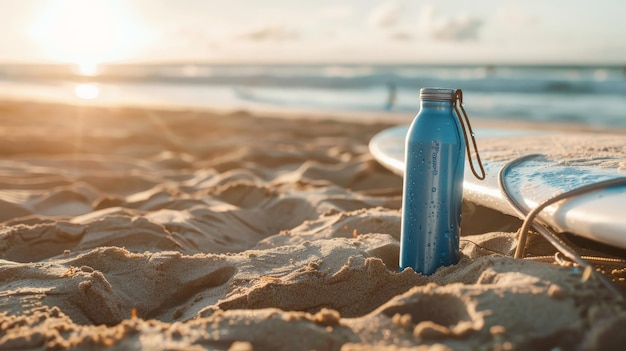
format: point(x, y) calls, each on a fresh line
point(186, 230)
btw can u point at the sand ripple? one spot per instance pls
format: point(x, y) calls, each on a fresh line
point(191, 231)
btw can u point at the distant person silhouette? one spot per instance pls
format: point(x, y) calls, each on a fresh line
point(490, 70)
point(391, 98)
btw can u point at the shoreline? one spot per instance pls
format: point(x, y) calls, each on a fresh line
point(367, 117)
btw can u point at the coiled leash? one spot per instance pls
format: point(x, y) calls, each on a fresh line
point(552, 238)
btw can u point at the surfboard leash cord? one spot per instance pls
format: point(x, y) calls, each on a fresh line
point(530, 221)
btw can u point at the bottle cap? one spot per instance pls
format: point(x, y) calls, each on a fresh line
point(436, 94)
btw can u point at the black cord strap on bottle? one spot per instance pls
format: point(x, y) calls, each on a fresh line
point(458, 103)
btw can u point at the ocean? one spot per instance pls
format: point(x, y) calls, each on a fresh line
point(584, 95)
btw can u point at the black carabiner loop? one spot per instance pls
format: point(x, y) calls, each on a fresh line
point(458, 97)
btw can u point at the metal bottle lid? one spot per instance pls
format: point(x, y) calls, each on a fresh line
point(436, 94)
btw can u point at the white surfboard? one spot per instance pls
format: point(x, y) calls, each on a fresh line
point(572, 161)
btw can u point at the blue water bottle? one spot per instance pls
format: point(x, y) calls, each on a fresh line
point(433, 182)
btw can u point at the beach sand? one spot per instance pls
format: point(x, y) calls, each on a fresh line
point(187, 230)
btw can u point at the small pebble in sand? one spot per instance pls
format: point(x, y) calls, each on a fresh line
point(403, 320)
point(86, 269)
point(241, 346)
point(428, 330)
point(497, 330)
point(70, 272)
point(327, 317)
point(587, 273)
point(556, 292)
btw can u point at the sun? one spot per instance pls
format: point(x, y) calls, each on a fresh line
point(86, 32)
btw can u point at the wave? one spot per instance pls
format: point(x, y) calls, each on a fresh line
point(550, 80)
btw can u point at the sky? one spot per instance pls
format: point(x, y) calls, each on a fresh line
point(312, 31)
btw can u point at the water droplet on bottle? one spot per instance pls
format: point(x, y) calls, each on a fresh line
point(434, 189)
point(446, 235)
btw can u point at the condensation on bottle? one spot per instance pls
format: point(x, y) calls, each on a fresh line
point(433, 184)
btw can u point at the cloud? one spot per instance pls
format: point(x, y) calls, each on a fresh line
point(188, 37)
point(337, 12)
point(459, 27)
point(426, 16)
point(269, 33)
point(385, 15)
point(516, 17)
point(400, 36)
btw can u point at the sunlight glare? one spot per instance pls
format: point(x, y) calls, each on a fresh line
point(88, 68)
point(83, 31)
point(86, 91)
